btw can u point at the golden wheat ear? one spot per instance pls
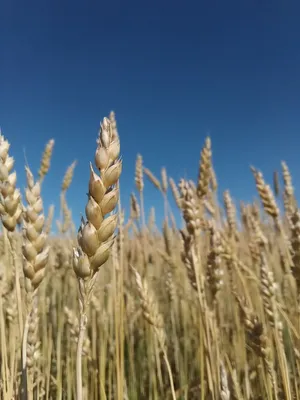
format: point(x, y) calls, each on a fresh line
point(96, 233)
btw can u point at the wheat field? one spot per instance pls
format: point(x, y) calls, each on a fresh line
point(205, 306)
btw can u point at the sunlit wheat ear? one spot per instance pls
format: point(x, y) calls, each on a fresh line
point(204, 174)
point(230, 213)
point(175, 193)
point(288, 195)
point(149, 307)
point(256, 338)
point(215, 271)
point(135, 211)
point(213, 180)
point(164, 180)
point(208, 205)
point(72, 322)
point(295, 245)
point(46, 160)
point(139, 178)
point(151, 219)
point(113, 124)
point(189, 207)
point(95, 236)
point(153, 317)
point(268, 293)
point(33, 343)
point(68, 177)
point(152, 178)
point(35, 249)
point(167, 238)
point(224, 390)
point(10, 204)
point(66, 223)
point(49, 220)
point(266, 195)
point(170, 287)
point(189, 261)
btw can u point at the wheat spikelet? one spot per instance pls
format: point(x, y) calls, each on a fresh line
point(139, 178)
point(214, 269)
point(224, 392)
point(48, 222)
point(209, 206)
point(258, 235)
point(151, 219)
point(204, 175)
point(268, 291)
point(256, 338)
point(73, 323)
point(167, 238)
point(188, 259)
point(190, 209)
point(33, 343)
point(35, 249)
point(164, 180)
point(149, 308)
point(95, 236)
point(46, 159)
point(295, 245)
point(287, 179)
point(230, 213)
point(175, 192)
point(67, 220)
point(152, 178)
point(10, 205)
point(135, 211)
point(213, 180)
point(10, 306)
point(113, 123)
point(288, 196)
point(266, 195)
point(68, 177)
point(170, 288)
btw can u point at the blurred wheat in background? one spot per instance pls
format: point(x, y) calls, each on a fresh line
point(202, 307)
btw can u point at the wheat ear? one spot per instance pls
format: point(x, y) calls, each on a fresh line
point(10, 211)
point(154, 318)
point(46, 159)
point(35, 257)
point(95, 236)
point(205, 169)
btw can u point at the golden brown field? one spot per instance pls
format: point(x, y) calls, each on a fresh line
point(126, 310)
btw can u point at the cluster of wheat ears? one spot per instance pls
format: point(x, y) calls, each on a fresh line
point(124, 310)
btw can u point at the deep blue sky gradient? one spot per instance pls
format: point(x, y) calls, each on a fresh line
point(172, 71)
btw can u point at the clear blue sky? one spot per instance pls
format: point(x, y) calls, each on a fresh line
point(172, 71)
